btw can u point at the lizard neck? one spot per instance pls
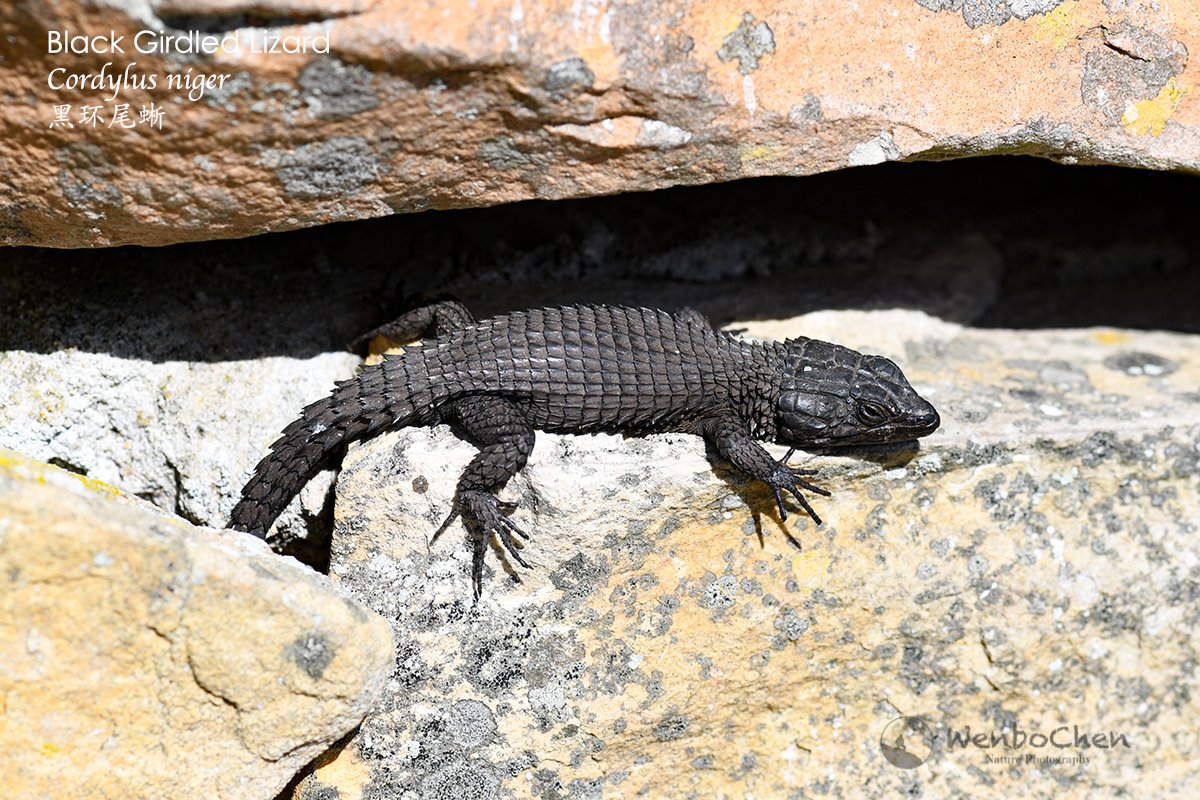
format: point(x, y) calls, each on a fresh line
point(762, 362)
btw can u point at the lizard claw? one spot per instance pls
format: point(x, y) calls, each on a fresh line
point(481, 514)
point(791, 480)
point(788, 457)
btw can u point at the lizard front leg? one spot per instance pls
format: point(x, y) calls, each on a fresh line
point(728, 435)
point(506, 439)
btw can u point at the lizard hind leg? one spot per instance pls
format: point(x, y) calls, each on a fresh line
point(506, 439)
point(428, 317)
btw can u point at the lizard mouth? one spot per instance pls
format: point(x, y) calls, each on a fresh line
point(909, 430)
point(928, 422)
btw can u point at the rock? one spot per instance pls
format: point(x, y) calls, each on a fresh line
point(184, 436)
point(396, 109)
point(1030, 567)
point(143, 657)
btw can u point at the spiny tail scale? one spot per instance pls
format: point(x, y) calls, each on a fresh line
point(357, 409)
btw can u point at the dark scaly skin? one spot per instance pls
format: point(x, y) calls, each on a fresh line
point(591, 369)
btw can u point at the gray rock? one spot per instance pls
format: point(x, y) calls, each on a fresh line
point(1001, 577)
point(184, 436)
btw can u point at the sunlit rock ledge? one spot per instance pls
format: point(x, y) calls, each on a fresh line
point(1032, 565)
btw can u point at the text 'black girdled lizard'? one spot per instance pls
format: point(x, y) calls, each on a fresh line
point(591, 369)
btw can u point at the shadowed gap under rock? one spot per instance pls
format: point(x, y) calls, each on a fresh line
point(993, 242)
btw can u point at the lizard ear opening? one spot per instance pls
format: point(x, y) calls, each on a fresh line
point(804, 416)
point(808, 404)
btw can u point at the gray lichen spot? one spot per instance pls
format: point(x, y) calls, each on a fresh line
point(461, 780)
point(1140, 364)
point(312, 653)
point(569, 77)
point(718, 592)
point(749, 42)
point(991, 12)
point(321, 792)
point(325, 169)
point(810, 111)
point(1131, 64)
point(790, 625)
point(579, 576)
point(261, 570)
point(85, 179)
point(357, 611)
point(586, 789)
point(672, 727)
point(223, 96)
point(502, 153)
point(471, 723)
point(334, 89)
point(874, 151)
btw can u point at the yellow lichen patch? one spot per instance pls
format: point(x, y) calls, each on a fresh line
point(811, 567)
point(29, 469)
point(1111, 337)
point(1150, 116)
point(1059, 27)
point(96, 485)
point(19, 467)
point(119, 634)
point(969, 372)
point(761, 152)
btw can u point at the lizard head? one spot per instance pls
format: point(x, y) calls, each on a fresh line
point(832, 395)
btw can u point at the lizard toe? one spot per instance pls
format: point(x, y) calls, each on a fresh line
point(787, 479)
point(483, 512)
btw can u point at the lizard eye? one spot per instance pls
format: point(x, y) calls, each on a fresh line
point(872, 413)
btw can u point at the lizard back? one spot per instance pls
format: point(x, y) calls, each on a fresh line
point(587, 369)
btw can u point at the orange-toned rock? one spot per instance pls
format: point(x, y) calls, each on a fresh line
point(398, 107)
point(143, 657)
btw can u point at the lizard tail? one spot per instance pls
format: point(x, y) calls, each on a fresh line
point(356, 410)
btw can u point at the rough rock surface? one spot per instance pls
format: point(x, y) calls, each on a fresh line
point(172, 387)
point(237, 329)
point(1033, 565)
point(430, 107)
point(143, 657)
point(166, 432)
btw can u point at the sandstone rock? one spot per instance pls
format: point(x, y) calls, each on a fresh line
point(436, 106)
point(1031, 566)
point(143, 657)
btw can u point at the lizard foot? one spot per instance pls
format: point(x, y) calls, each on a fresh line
point(789, 479)
point(481, 513)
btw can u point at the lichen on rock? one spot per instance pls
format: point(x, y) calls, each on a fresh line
point(435, 107)
point(674, 639)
